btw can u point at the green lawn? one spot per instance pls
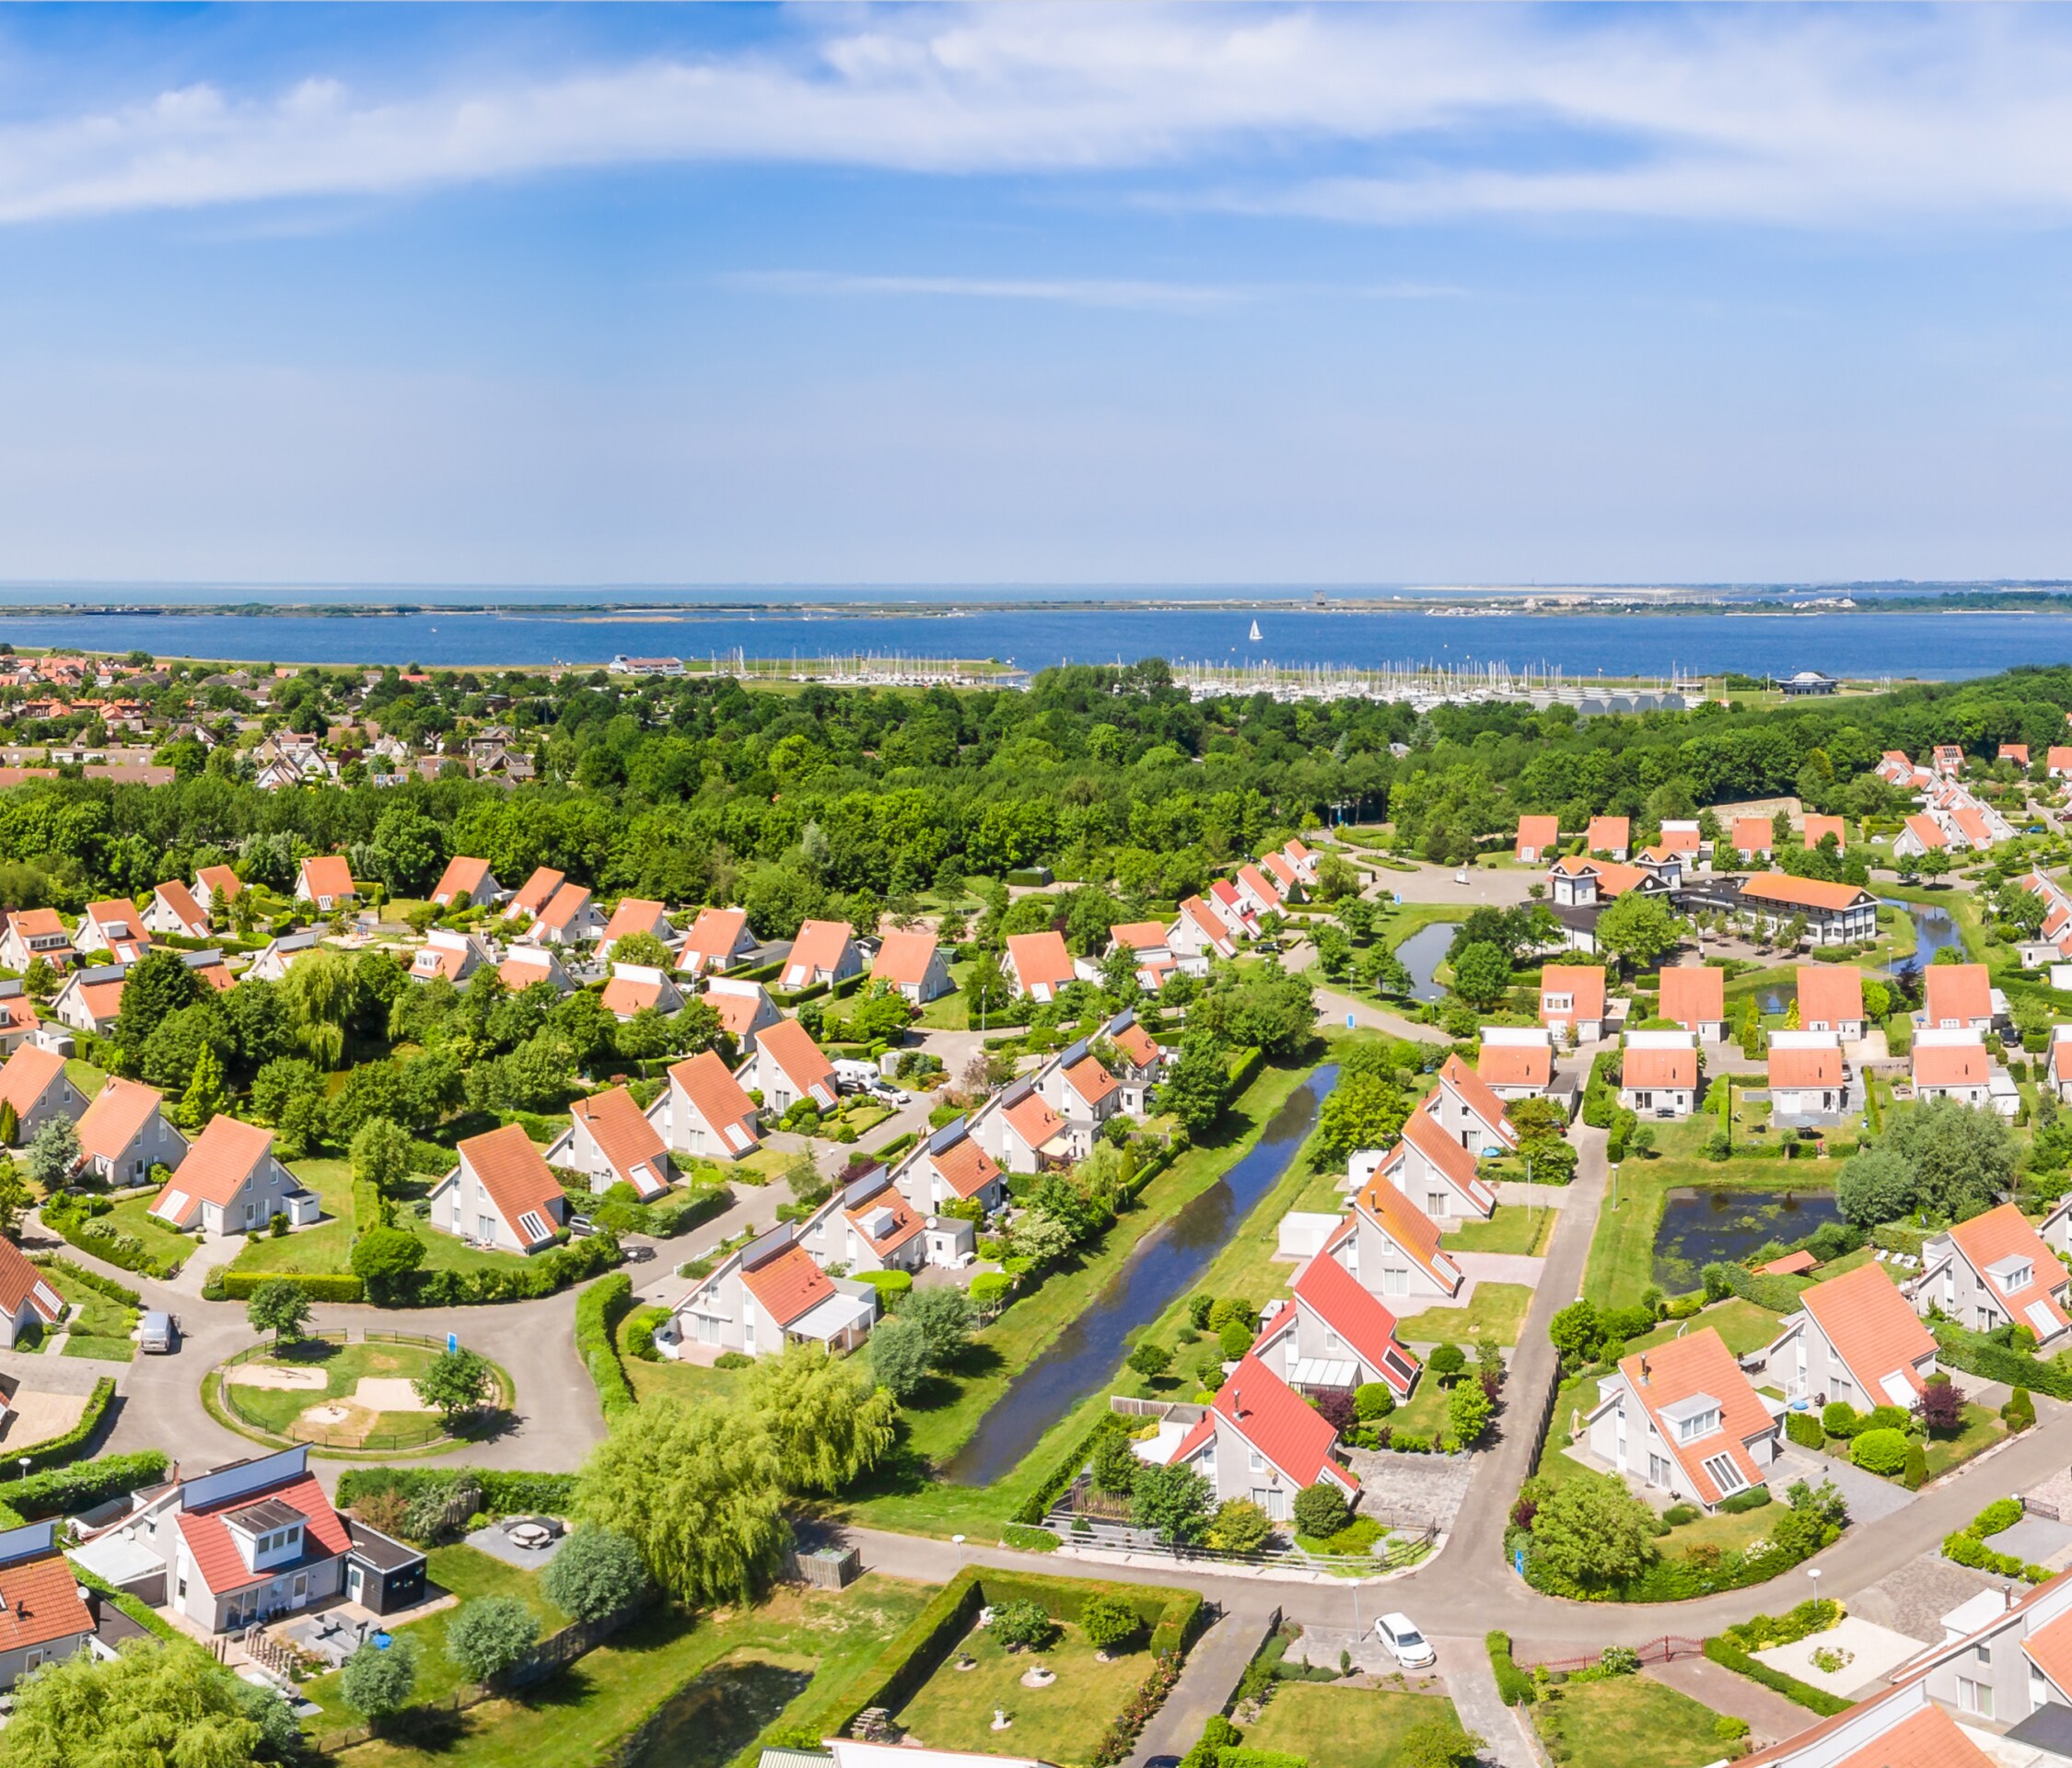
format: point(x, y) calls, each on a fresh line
point(1494, 1316)
point(1523, 1230)
point(468, 1573)
point(343, 1367)
point(98, 1325)
point(954, 1709)
point(1742, 1325)
point(1626, 1722)
point(132, 1216)
point(1343, 1727)
point(661, 1668)
point(83, 1074)
point(327, 1247)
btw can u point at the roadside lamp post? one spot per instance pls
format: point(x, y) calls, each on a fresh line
point(1614, 1184)
point(1813, 1572)
point(958, 1540)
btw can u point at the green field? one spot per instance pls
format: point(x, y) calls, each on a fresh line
point(954, 1709)
point(1495, 1315)
point(1525, 1230)
point(1627, 1722)
point(1343, 1727)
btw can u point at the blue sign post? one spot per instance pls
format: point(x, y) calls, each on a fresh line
point(1349, 1026)
point(453, 1342)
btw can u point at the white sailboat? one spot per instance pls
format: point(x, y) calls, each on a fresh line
point(1255, 631)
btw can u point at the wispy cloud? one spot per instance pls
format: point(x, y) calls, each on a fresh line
point(1062, 291)
point(1855, 117)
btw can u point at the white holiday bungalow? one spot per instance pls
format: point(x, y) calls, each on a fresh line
point(1572, 1001)
point(32, 933)
point(1021, 1132)
point(1145, 942)
point(745, 1010)
point(1393, 1249)
point(1831, 1000)
point(1855, 1339)
point(1434, 1171)
point(1993, 1270)
point(525, 965)
point(912, 963)
point(216, 888)
point(768, 1294)
point(1240, 918)
point(1957, 1065)
point(502, 1194)
point(869, 1226)
point(1259, 1440)
point(706, 1111)
point(1659, 1073)
point(636, 915)
point(1537, 838)
point(534, 894)
point(1038, 966)
point(824, 954)
point(91, 1000)
point(1959, 996)
point(1138, 1061)
point(124, 1134)
point(788, 1066)
point(230, 1182)
point(1280, 872)
point(1611, 836)
point(174, 912)
point(1809, 1080)
point(636, 988)
point(951, 1167)
point(1256, 891)
point(35, 1084)
point(1516, 1062)
point(25, 1300)
point(1199, 934)
point(113, 926)
point(1682, 1419)
point(571, 918)
point(718, 940)
point(1331, 1335)
point(1694, 996)
point(452, 956)
point(325, 882)
point(467, 884)
point(610, 1140)
point(1082, 1092)
point(279, 953)
point(1468, 1110)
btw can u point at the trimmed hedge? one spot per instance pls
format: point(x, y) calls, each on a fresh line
point(597, 1310)
point(1030, 1540)
point(1729, 1656)
point(225, 1285)
point(59, 1490)
point(1976, 1354)
point(1038, 1504)
point(57, 1450)
point(503, 1493)
point(1242, 1755)
point(1512, 1683)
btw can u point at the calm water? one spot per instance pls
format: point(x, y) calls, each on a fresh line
point(1421, 954)
point(1709, 1224)
point(1166, 1263)
point(1933, 929)
point(1864, 646)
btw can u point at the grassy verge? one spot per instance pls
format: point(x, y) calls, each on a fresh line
point(1348, 1728)
point(1525, 1230)
point(98, 1326)
point(1626, 1722)
point(1495, 1315)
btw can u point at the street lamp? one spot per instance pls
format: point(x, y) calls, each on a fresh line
point(1614, 1184)
point(958, 1540)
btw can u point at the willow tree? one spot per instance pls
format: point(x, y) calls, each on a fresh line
point(151, 1703)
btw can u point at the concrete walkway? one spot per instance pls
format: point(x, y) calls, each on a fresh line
point(1771, 1718)
point(1204, 1690)
point(1472, 1684)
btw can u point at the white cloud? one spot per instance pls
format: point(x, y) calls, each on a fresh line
point(1857, 117)
point(1062, 291)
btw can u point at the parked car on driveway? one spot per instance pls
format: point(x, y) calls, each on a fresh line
point(1409, 1647)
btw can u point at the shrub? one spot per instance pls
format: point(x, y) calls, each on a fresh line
point(1108, 1620)
point(733, 1360)
point(59, 1491)
point(1234, 1337)
point(1446, 1361)
point(2000, 1514)
point(1373, 1400)
point(1239, 1526)
point(319, 1285)
point(1754, 1498)
point(489, 1634)
point(1889, 1418)
point(1029, 1539)
point(1677, 1515)
point(988, 1288)
point(1512, 1683)
point(1728, 1728)
point(597, 1310)
point(1319, 1509)
point(378, 1682)
point(2020, 1413)
point(1840, 1419)
point(598, 1571)
point(1729, 1656)
point(1023, 1624)
point(892, 1286)
point(55, 1451)
point(1915, 1473)
point(1880, 1451)
point(1804, 1429)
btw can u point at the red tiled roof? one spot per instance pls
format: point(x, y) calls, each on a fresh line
point(462, 877)
point(904, 1225)
point(903, 958)
point(1440, 1151)
point(1038, 958)
point(222, 881)
point(2050, 1649)
point(539, 889)
point(40, 1603)
point(219, 1162)
point(514, 1174)
point(1830, 994)
point(569, 902)
point(1700, 1363)
point(1586, 983)
point(626, 996)
point(1693, 994)
point(1928, 1737)
point(119, 1112)
point(1926, 831)
point(787, 1285)
point(634, 914)
point(1539, 833)
point(1872, 1326)
point(1608, 832)
point(717, 1098)
point(1951, 1065)
point(17, 1013)
point(525, 966)
point(1194, 909)
point(737, 1013)
point(28, 1075)
point(21, 1281)
point(1648, 1067)
point(1268, 1414)
point(1803, 893)
point(1819, 828)
point(2057, 757)
point(1093, 1083)
point(965, 1166)
point(1516, 1064)
point(1753, 834)
point(2016, 752)
point(216, 1554)
point(1680, 841)
point(1137, 1044)
point(327, 874)
point(790, 1046)
point(2002, 1233)
point(1796, 1069)
point(1278, 867)
point(1961, 991)
point(819, 947)
point(1335, 1295)
point(438, 961)
point(35, 923)
point(624, 1138)
point(715, 933)
point(103, 1000)
point(1033, 1121)
point(1261, 887)
point(1975, 826)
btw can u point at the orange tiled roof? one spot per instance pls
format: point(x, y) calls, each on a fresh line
point(1586, 983)
point(1693, 994)
point(1516, 1064)
point(789, 1285)
point(1700, 1363)
point(119, 1112)
point(1872, 1326)
point(1659, 1068)
point(903, 958)
point(1796, 1069)
point(514, 1174)
point(1962, 992)
point(1803, 893)
point(1830, 993)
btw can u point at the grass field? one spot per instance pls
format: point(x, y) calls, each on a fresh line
point(1509, 1230)
point(98, 1325)
point(328, 1245)
point(132, 1216)
point(1494, 1315)
point(1627, 1722)
point(343, 1366)
point(658, 1668)
point(954, 1709)
point(1347, 1728)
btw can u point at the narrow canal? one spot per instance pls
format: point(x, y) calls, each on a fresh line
point(1164, 1264)
point(1422, 953)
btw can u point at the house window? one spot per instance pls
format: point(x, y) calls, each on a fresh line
point(1725, 1475)
point(1658, 1472)
point(1395, 1283)
point(1258, 1462)
point(533, 1227)
point(1974, 1697)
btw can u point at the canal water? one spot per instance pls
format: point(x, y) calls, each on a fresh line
point(1166, 1262)
point(1422, 953)
point(1722, 1225)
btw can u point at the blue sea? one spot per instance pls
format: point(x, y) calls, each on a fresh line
point(452, 627)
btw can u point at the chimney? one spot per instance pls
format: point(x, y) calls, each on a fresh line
point(1644, 1366)
point(1238, 1402)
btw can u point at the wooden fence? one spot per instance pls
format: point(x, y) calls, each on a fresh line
point(1665, 1649)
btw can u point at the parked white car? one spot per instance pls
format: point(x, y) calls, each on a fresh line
point(1405, 1643)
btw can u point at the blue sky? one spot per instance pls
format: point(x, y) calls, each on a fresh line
point(1029, 295)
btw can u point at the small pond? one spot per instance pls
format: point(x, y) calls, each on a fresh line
point(714, 1717)
point(1705, 1225)
point(1422, 953)
point(1933, 929)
